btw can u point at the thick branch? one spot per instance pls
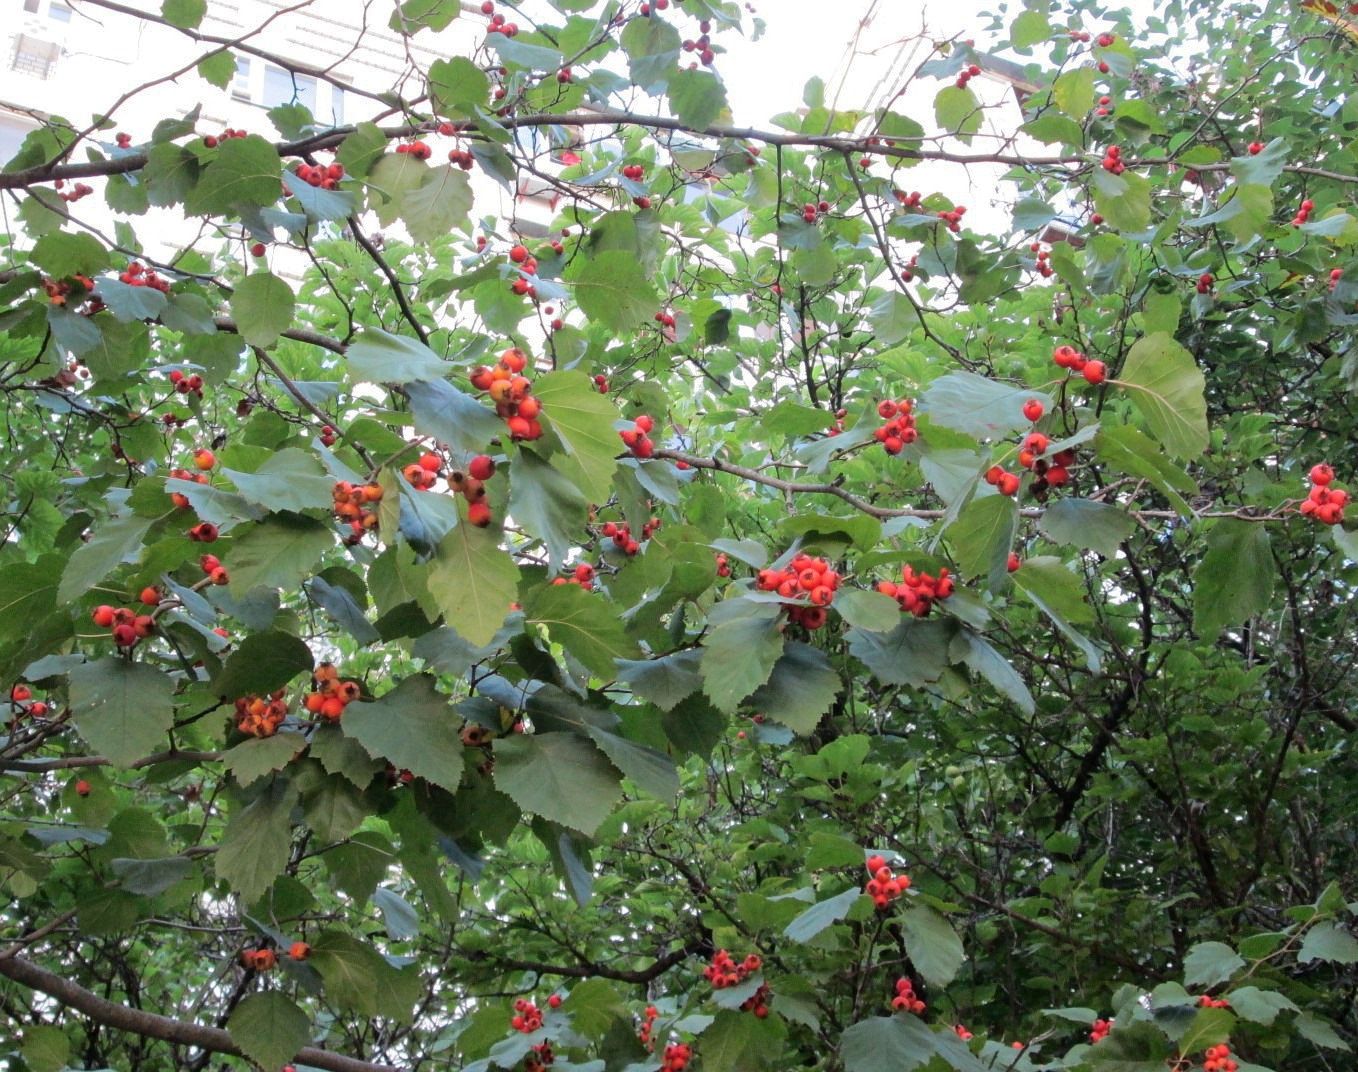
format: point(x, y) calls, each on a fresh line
point(42, 766)
point(153, 1026)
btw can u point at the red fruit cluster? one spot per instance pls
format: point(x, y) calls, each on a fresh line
point(1078, 35)
point(422, 474)
point(963, 1033)
point(351, 505)
point(906, 999)
point(1335, 275)
point(759, 1002)
point(212, 141)
point(418, 149)
point(1218, 1059)
point(1205, 282)
point(1303, 213)
point(968, 73)
point(180, 500)
point(327, 436)
point(724, 972)
point(260, 960)
point(723, 566)
point(884, 885)
point(954, 218)
point(511, 391)
point(1256, 147)
point(900, 424)
point(299, 951)
point(59, 290)
point(497, 22)
point(583, 576)
point(621, 534)
point(910, 200)
point(124, 140)
point(647, 1028)
point(635, 172)
point(462, 158)
point(527, 1016)
point(1209, 1002)
point(187, 385)
point(1105, 106)
point(1112, 160)
point(212, 569)
point(261, 717)
point(1324, 503)
point(330, 696)
point(540, 1058)
point(1100, 1030)
point(472, 487)
point(805, 578)
point(137, 274)
point(918, 592)
point(1067, 357)
point(75, 193)
point(22, 703)
point(1105, 39)
point(203, 532)
point(637, 438)
point(1003, 481)
point(701, 45)
point(677, 1056)
point(813, 209)
point(1044, 268)
point(664, 319)
point(327, 177)
point(127, 627)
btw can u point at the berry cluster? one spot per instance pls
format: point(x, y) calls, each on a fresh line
point(664, 319)
point(75, 193)
point(137, 274)
point(647, 1028)
point(918, 592)
point(418, 149)
point(527, 263)
point(497, 22)
point(621, 534)
point(212, 569)
point(1324, 503)
point(582, 575)
point(1209, 1002)
point(527, 1016)
point(635, 172)
point(351, 505)
point(1067, 357)
point(954, 218)
point(677, 1057)
point(261, 717)
point(724, 972)
point(1044, 268)
point(805, 578)
point(637, 438)
point(1205, 282)
point(471, 485)
point(326, 177)
point(422, 474)
point(187, 385)
point(813, 209)
point(461, 157)
point(331, 695)
point(962, 1032)
point(908, 200)
point(540, 1057)
point(124, 141)
point(906, 999)
point(178, 498)
point(703, 44)
point(1100, 1030)
point(1105, 40)
point(884, 885)
point(1112, 160)
point(1078, 35)
point(968, 73)
point(59, 290)
point(1303, 213)
point(260, 960)
point(127, 627)
point(1003, 481)
point(1105, 106)
point(1218, 1059)
point(1255, 148)
point(723, 565)
point(900, 424)
point(1335, 275)
point(22, 703)
point(511, 391)
point(211, 140)
point(327, 436)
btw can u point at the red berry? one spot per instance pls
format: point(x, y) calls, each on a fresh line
point(1033, 410)
point(1094, 371)
point(1321, 474)
point(482, 467)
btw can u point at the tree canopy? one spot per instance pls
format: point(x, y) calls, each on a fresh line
point(773, 618)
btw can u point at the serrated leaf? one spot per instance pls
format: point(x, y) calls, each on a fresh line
point(1259, 1006)
point(1234, 579)
point(473, 582)
point(412, 727)
point(979, 406)
point(147, 878)
point(981, 656)
point(802, 687)
point(957, 110)
point(261, 663)
point(1169, 389)
point(613, 289)
point(290, 479)
point(262, 307)
point(457, 86)
point(652, 771)
point(277, 553)
point(269, 1028)
point(559, 776)
point(585, 624)
point(255, 845)
point(360, 979)
point(697, 98)
point(1073, 92)
point(1058, 593)
point(548, 508)
point(874, 612)
point(886, 1044)
point(122, 709)
point(913, 653)
point(1095, 526)
point(253, 759)
point(739, 655)
point(982, 537)
point(438, 204)
point(664, 681)
point(1328, 942)
point(245, 171)
point(819, 916)
point(934, 947)
point(379, 357)
point(45, 1048)
point(1210, 963)
point(113, 542)
point(583, 421)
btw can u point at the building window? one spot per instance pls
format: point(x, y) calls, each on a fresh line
point(337, 106)
point(284, 87)
point(31, 6)
point(34, 57)
point(240, 85)
point(59, 12)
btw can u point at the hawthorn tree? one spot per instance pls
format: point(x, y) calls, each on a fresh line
point(765, 623)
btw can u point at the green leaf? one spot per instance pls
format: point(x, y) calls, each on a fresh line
point(1328, 942)
point(732, 1043)
point(585, 624)
point(914, 653)
point(262, 663)
point(256, 843)
point(1127, 449)
point(547, 507)
point(457, 86)
point(149, 878)
point(186, 14)
point(412, 16)
point(45, 1048)
point(251, 760)
point(650, 770)
point(291, 479)
point(246, 171)
point(378, 357)
point(473, 582)
point(1058, 594)
point(871, 611)
point(412, 727)
point(652, 47)
point(339, 602)
point(979, 406)
point(60, 254)
point(801, 688)
point(983, 536)
point(522, 54)
point(819, 916)
point(115, 541)
point(123, 710)
point(1234, 579)
point(263, 307)
point(1259, 1006)
point(1086, 524)
point(218, 68)
point(886, 1044)
point(343, 755)
point(361, 149)
point(1073, 92)
point(697, 98)
point(1319, 1032)
point(1030, 28)
point(559, 776)
point(957, 110)
point(277, 553)
point(440, 203)
point(391, 177)
point(664, 681)
point(933, 945)
point(1168, 388)
point(1129, 209)
point(614, 289)
point(981, 656)
point(583, 421)
point(269, 1028)
point(1210, 963)
point(358, 978)
point(739, 655)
